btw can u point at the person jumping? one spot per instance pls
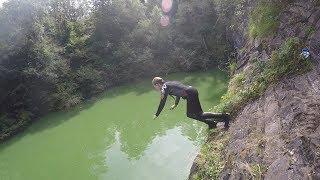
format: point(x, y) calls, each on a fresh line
point(194, 110)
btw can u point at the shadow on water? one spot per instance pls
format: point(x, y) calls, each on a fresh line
point(64, 115)
point(55, 119)
point(46, 122)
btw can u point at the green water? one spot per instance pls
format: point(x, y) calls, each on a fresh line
point(114, 137)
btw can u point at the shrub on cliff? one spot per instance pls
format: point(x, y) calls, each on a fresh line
point(263, 19)
point(255, 79)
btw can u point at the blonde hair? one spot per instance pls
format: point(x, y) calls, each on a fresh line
point(157, 80)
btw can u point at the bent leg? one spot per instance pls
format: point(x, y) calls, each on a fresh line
point(210, 123)
point(194, 111)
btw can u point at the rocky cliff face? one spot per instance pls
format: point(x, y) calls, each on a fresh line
point(278, 135)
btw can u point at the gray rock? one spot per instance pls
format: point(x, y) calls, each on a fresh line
point(315, 17)
point(278, 169)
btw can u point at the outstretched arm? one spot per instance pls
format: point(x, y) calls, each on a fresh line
point(162, 103)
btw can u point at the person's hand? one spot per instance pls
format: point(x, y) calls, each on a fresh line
point(172, 107)
point(155, 117)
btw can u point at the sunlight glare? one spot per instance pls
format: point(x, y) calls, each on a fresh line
point(164, 21)
point(166, 5)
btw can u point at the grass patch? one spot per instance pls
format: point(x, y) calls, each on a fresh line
point(255, 79)
point(210, 160)
point(257, 171)
point(309, 30)
point(232, 67)
point(263, 19)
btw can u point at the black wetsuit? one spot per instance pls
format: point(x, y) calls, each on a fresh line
point(194, 110)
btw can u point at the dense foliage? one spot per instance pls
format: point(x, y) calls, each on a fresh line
point(56, 53)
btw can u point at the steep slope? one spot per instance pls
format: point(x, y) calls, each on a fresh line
point(275, 136)
point(278, 135)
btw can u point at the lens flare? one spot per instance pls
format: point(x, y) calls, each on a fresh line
point(165, 21)
point(166, 5)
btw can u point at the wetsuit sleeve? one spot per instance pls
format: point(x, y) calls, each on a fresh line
point(177, 101)
point(164, 94)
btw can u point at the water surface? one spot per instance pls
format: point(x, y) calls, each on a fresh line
point(114, 137)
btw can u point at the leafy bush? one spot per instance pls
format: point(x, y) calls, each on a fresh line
point(66, 95)
point(287, 61)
